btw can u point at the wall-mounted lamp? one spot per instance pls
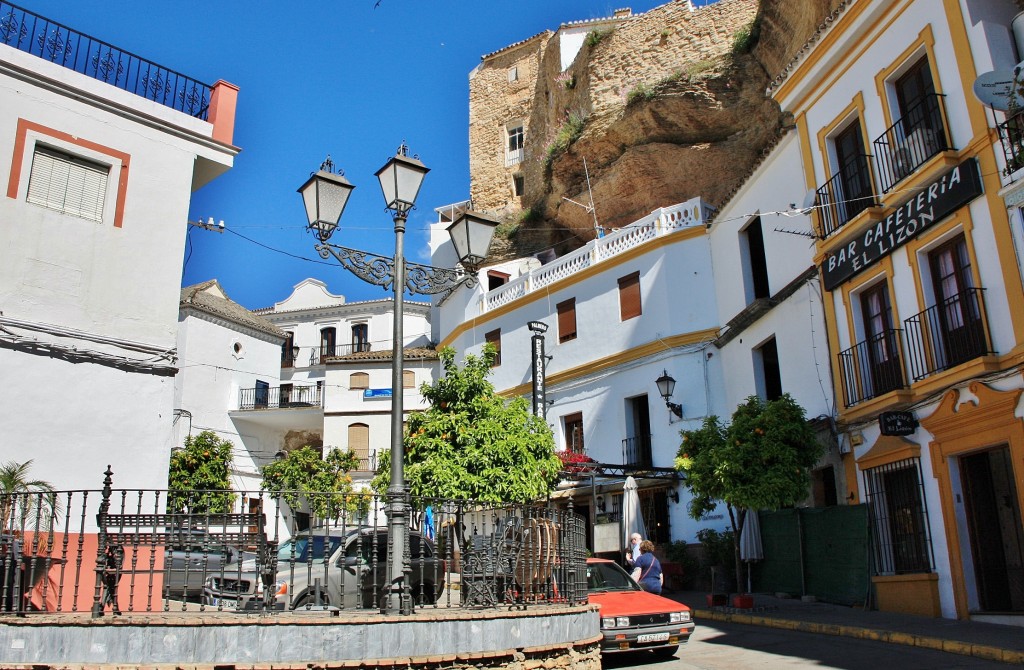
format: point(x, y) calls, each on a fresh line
point(295, 353)
point(600, 504)
point(673, 495)
point(666, 385)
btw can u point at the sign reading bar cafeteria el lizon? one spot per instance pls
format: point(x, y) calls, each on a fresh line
point(929, 203)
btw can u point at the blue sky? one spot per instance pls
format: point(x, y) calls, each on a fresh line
point(338, 77)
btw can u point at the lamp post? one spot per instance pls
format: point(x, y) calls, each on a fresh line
point(325, 195)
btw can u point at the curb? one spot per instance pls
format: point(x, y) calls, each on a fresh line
point(982, 651)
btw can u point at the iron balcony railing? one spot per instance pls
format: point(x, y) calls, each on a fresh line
point(333, 350)
point(636, 451)
point(52, 41)
point(134, 550)
point(910, 142)
point(845, 195)
point(947, 334)
point(872, 368)
point(1011, 136)
point(278, 397)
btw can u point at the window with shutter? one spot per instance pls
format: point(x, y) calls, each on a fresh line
point(408, 379)
point(359, 380)
point(67, 184)
point(566, 320)
point(494, 337)
point(629, 296)
point(359, 443)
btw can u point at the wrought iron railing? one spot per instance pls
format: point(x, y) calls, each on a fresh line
point(910, 142)
point(122, 550)
point(636, 451)
point(872, 367)
point(845, 195)
point(947, 334)
point(52, 41)
point(1011, 136)
point(278, 397)
point(331, 351)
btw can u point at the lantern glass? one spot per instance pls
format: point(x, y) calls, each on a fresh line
point(666, 385)
point(325, 195)
point(400, 181)
point(471, 234)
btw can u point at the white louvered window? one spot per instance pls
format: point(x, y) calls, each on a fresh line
point(68, 184)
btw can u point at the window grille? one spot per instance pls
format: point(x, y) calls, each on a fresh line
point(68, 184)
point(899, 518)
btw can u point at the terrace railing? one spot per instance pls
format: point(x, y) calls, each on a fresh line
point(908, 144)
point(872, 367)
point(279, 397)
point(658, 223)
point(57, 43)
point(947, 334)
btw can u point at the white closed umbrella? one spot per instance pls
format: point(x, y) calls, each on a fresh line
point(632, 518)
point(750, 541)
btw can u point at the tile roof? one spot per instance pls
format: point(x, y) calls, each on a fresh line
point(411, 353)
point(204, 298)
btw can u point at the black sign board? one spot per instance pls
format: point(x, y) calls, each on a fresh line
point(540, 406)
point(897, 423)
point(929, 204)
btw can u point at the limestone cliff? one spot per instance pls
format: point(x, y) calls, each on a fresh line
point(669, 105)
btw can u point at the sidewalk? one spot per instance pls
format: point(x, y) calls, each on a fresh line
point(989, 641)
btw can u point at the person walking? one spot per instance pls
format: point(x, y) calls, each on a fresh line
point(633, 550)
point(647, 569)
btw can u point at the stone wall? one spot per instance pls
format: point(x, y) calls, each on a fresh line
point(671, 109)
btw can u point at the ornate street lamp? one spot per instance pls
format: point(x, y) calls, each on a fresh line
point(325, 195)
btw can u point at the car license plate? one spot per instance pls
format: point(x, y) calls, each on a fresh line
point(652, 637)
point(224, 602)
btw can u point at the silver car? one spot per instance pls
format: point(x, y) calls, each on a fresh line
point(353, 575)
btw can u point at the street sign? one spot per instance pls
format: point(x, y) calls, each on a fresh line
point(376, 393)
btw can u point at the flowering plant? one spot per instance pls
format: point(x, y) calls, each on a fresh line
point(575, 462)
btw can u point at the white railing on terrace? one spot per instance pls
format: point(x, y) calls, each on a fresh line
point(660, 222)
point(513, 157)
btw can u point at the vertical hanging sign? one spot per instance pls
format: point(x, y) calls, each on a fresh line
point(539, 405)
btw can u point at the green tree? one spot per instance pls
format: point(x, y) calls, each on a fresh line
point(32, 501)
point(198, 481)
point(761, 460)
point(470, 444)
point(323, 483)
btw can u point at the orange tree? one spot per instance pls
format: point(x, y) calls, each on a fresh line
point(761, 460)
point(198, 478)
point(471, 444)
point(322, 483)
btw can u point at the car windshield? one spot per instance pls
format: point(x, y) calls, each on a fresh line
point(608, 577)
point(299, 548)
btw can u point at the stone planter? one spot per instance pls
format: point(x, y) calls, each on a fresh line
point(743, 601)
point(717, 599)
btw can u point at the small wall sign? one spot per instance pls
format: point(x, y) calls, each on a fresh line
point(376, 393)
point(897, 423)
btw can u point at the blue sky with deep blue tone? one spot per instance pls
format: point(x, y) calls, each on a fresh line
point(336, 76)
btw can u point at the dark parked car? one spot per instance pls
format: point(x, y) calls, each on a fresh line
point(188, 564)
point(633, 619)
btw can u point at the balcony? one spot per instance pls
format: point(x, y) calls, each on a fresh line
point(910, 142)
point(636, 452)
point(845, 195)
point(872, 368)
point(1011, 136)
point(947, 334)
point(279, 397)
point(33, 34)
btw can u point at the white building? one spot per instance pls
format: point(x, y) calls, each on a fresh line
point(335, 372)
point(917, 194)
point(620, 312)
point(101, 157)
point(224, 348)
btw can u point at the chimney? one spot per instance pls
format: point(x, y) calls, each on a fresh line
point(623, 13)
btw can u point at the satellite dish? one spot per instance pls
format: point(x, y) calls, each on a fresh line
point(996, 89)
point(809, 203)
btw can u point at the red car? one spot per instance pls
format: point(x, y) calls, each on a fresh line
point(631, 618)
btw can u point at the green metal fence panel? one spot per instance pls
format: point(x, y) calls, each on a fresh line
point(821, 552)
point(779, 572)
point(836, 553)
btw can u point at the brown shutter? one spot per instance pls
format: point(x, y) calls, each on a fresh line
point(359, 442)
point(408, 379)
point(359, 380)
point(567, 320)
point(494, 337)
point(629, 296)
